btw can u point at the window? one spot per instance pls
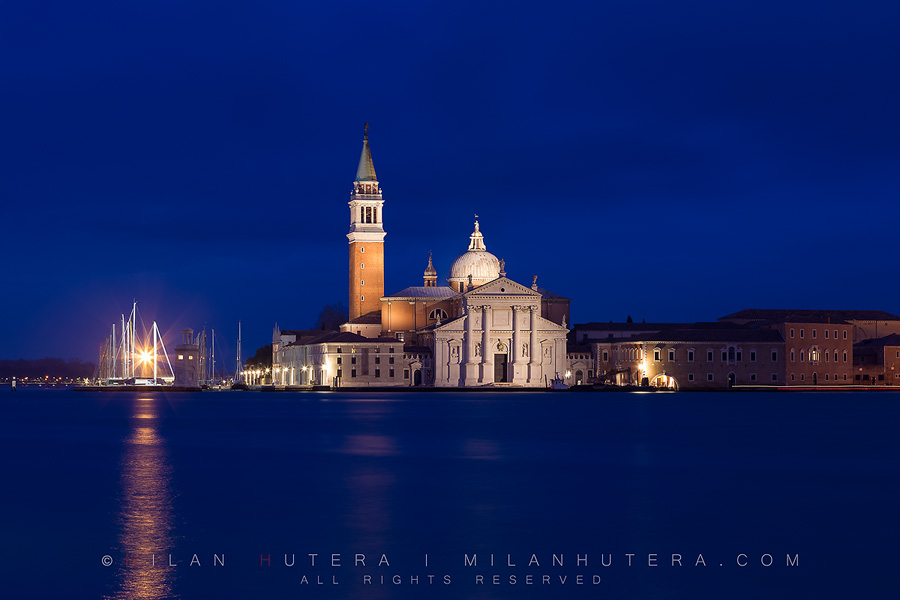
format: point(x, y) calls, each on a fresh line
point(835, 356)
point(390, 373)
point(190, 357)
point(826, 334)
point(362, 282)
point(802, 376)
point(391, 358)
point(740, 356)
point(338, 360)
point(709, 354)
point(438, 314)
point(340, 350)
point(352, 360)
point(801, 334)
point(826, 356)
point(362, 298)
point(753, 356)
point(377, 372)
point(774, 376)
point(845, 334)
point(605, 356)
point(792, 356)
point(826, 374)
point(814, 333)
point(792, 376)
point(690, 356)
point(835, 334)
point(725, 355)
point(690, 376)
point(774, 355)
point(671, 356)
point(340, 373)
point(709, 376)
point(352, 372)
point(180, 356)
point(405, 373)
point(802, 354)
point(362, 265)
point(845, 356)
point(377, 360)
point(362, 250)
point(391, 350)
point(858, 377)
point(753, 377)
point(792, 332)
point(845, 377)
point(656, 354)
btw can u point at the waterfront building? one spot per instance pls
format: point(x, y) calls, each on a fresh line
point(692, 356)
point(186, 367)
point(866, 324)
point(344, 359)
point(877, 361)
point(282, 372)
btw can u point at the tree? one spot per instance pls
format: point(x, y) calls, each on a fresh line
point(262, 359)
point(332, 317)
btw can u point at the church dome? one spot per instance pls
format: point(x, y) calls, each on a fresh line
point(476, 261)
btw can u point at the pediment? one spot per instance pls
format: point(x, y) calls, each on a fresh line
point(502, 286)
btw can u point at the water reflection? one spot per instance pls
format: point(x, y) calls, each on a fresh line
point(146, 516)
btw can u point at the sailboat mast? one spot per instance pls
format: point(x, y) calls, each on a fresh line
point(238, 375)
point(133, 345)
point(112, 353)
point(154, 353)
point(213, 366)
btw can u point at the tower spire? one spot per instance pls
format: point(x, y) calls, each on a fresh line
point(366, 169)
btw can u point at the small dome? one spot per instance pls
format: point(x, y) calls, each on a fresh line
point(477, 262)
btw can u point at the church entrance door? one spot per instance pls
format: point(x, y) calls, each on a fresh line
point(500, 368)
point(417, 377)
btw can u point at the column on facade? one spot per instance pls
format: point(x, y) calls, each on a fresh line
point(440, 361)
point(469, 347)
point(487, 373)
point(516, 344)
point(534, 350)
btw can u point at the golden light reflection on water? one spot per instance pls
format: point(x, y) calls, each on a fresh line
point(146, 516)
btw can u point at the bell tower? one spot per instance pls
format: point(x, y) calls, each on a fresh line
point(366, 238)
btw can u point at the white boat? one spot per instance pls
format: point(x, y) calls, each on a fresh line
point(558, 384)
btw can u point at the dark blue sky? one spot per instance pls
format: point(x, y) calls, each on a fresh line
point(671, 161)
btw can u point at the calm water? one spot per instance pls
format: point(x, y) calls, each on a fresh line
point(255, 478)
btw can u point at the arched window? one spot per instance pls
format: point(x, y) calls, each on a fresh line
point(438, 314)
